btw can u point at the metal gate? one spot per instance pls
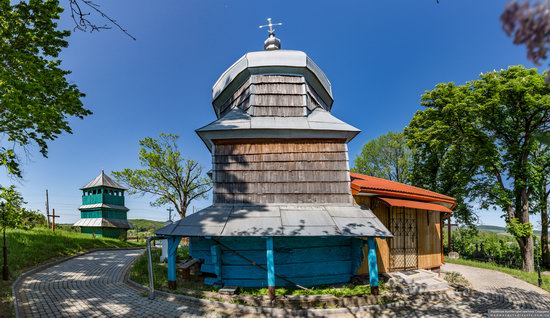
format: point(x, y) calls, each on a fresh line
point(404, 244)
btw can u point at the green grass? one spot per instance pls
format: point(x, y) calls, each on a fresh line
point(140, 274)
point(27, 249)
point(455, 278)
point(340, 291)
point(531, 278)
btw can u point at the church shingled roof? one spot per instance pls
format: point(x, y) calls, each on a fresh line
point(103, 180)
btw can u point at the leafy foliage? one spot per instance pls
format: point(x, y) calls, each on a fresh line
point(36, 99)
point(166, 174)
point(387, 156)
point(486, 246)
point(518, 229)
point(529, 24)
point(476, 142)
point(12, 213)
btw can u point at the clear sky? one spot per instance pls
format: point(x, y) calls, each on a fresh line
point(379, 55)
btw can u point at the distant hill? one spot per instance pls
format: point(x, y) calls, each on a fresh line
point(498, 229)
point(492, 228)
point(145, 225)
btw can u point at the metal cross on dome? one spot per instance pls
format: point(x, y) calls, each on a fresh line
point(270, 25)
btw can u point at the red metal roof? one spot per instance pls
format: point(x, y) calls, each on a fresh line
point(416, 205)
point(361, 183)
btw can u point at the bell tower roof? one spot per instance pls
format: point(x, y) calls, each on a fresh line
point(103, 180)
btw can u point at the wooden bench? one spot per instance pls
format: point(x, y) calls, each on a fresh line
point(188, 267)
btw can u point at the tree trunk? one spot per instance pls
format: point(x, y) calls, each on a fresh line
point(526, 243)
point(527, 253)
point(182, 211)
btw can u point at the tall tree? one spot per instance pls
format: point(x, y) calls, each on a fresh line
point(529, 24)
point(541, 193)
point(387, 156)
point(486, 131)
point(36, 99)
point(168, 176)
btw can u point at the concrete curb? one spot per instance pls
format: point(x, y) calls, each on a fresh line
point(19, 279)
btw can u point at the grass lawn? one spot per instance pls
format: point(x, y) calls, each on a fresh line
point(30, 248)
point(531, 278)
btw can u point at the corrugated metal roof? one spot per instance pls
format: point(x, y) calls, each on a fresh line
point(103, 205)
point(279, 220)
point(103, 222)
point(238, 124)
point(368, 184)
point(103, 180)
point(416, 205)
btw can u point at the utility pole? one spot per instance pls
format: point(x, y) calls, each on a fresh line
point(5, 270)
point(170, 214)
point(53, 219)
point(47, 209)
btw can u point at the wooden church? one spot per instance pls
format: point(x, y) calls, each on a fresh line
point(283, 213)
point(102, 212)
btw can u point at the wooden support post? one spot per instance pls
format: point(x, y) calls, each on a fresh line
point(215, 250)
point(53, 219)
point(173, 242)
point(47, 209)
point(270, 268)
point(373, 266)
point(449, 233)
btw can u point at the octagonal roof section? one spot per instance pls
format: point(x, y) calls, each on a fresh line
point(285, 62)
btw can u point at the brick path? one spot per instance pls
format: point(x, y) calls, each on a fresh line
point(93, 286)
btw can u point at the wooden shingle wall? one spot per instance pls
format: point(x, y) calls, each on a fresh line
point(429, 239)
point(274, 96)
point(281, 172)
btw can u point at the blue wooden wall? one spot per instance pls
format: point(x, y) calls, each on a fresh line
point(308, 261)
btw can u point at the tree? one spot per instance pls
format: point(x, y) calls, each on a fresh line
point(529, 24)
point(13, 215)
point(541, 193)
point(166, 174)
point(36, 99)
point(486, 132)
point(82, 12)
point(385, 157)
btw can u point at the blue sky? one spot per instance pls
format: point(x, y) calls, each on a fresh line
point(379, 55)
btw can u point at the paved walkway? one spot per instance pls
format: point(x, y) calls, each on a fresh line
point(512, 292)
point(489, 280)
point(93, 286)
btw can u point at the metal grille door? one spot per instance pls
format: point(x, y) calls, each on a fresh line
point(403, 245)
